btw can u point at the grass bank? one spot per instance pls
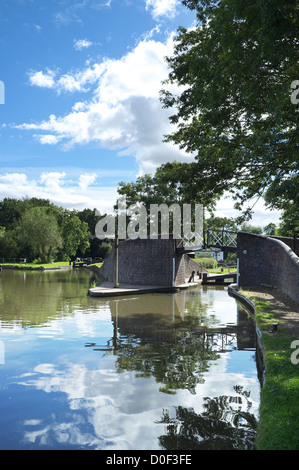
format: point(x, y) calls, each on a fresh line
point(96, 264)
point(222, 270)
point(278, 427)
point(36, 266)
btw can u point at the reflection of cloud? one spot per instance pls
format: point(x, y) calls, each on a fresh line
point(116, 411)
point(68, 433)
point(102, 398)
point(92, 406)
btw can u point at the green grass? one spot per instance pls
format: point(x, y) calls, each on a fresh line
point(36, 266)
point(44, 265)
point(224, 271)
point(278, 427)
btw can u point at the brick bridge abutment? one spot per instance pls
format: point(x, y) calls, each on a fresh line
point(270, 262)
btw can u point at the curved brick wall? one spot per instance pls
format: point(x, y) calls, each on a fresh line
point(268, 261)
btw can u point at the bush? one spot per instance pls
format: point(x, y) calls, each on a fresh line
point(207, 263)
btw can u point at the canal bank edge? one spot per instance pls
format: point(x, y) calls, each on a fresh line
point(278, 425)
point(250, 305)
point(32, 268)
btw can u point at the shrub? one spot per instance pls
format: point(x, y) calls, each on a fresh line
point(207, 263)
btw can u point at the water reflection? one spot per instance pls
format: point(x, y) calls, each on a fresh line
point(173, 371)
point(172, 338)
point(29, 298)
point(223, 425)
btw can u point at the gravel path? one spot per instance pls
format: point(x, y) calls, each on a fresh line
point(286, 309)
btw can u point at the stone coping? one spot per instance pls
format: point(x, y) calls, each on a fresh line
point(107, 289)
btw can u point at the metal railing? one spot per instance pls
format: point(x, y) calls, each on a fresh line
point(13, 260)
point(224, 239)
point(191, 240)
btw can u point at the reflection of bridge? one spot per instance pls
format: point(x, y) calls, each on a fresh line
point(224, 240)
point(174, 319)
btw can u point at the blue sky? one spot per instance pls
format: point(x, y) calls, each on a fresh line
point(82, 110)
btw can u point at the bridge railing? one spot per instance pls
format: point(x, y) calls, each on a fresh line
point(191, 241)
point(224, 239)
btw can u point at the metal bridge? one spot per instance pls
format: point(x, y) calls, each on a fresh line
point(224, 240)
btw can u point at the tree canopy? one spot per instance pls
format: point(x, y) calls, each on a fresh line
point(39, 231)
point(36, 228)
point(235, 69)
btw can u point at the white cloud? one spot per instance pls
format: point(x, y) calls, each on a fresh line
point(261, 215)
point(123, 113)
point(72, 191)
point(69, 82)
point(14, 179)
point(42, 79)
point(78, 189)
point(52, 179)
point(161, 8)
point(86, 180)
point(80, 44)
point(47, 139)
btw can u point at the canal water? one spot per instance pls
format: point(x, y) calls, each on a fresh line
point(155, 371)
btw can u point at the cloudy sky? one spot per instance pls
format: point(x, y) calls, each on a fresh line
point(82, 110)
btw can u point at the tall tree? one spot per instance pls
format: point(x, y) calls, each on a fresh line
point(74, 233)
point(164, 189)
point(39, 232)
point(236, 68)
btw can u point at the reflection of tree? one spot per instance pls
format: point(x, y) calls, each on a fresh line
point(164, 341)
point(176, 365)
point(35, 297)
point(196, 313)
point(224, 425)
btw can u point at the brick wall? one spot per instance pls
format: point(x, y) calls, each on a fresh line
point(149, 262)
point(270, 261)
point(294, 245)
point(184, 267)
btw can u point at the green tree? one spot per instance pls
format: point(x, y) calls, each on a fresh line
point(10, 212)
point(72, 229)
point(148, 190)
point(245, 227)
point(234, 113)
point(169, 185)
point(97, 248)
point(38, 231)
point(173, 182)
point(90, 217)
point(9, 247)
point(270, 229)
point(219, 223)
point(289, 221)
point(74, 233)
point(12, 209)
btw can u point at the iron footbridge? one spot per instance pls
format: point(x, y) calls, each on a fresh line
point(223, 240)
